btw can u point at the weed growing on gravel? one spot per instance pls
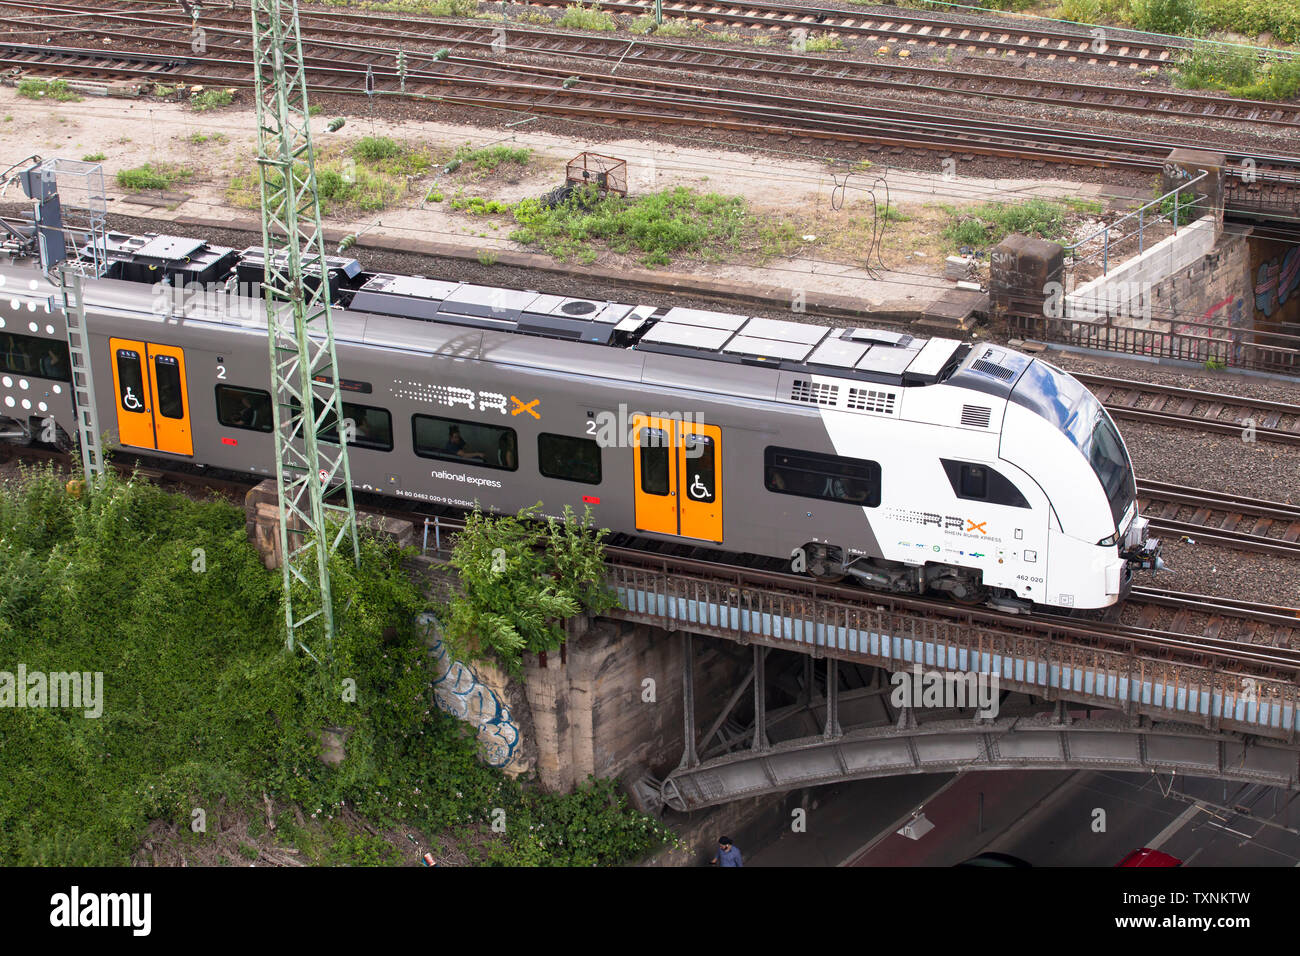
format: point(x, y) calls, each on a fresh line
point(987, 225)
point(488, 159)
point(94, 158)
point(57, 90)
point(198, 138)
point(151, 176)
point(656, 227)
point(579, 17)
point(206, 100)
point(824, 43)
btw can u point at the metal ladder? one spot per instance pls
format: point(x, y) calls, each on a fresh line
point(83, 383)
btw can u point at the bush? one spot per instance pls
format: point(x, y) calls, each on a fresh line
point(1175, 17)
point(373, 149)
point(578, 17)
point(519, 579)
point(203, 706)
point(488, 159)
point(211, 100)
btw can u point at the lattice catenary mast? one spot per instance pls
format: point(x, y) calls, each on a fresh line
point(312, 478)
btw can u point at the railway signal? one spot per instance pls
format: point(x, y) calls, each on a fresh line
point(313, 480)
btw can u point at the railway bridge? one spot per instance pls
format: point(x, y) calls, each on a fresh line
point(764, 682)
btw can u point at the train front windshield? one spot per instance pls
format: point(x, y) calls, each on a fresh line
point(1064, 402)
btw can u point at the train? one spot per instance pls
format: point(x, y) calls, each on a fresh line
point(916, 465)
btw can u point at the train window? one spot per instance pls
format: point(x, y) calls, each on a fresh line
point(371, 427)
point(788, 471)
point(568, 458)
point(982, 483)
point(244, 408)
point(171, 394)
point(654, 461)
point(28, 355)
point(974, 482)
point(130, 380)
point(451, 439)
point(700, 466)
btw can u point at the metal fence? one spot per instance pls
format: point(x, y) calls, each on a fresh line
point(1052, 664)
point(1227, 346)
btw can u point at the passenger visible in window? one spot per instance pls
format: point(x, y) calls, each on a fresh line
point(456, 446)
point(246, 414)
point(506, 452)
point(52, 364)
point(774, 480)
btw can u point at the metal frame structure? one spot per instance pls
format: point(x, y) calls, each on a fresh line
point(300, 329)
point(69, 225)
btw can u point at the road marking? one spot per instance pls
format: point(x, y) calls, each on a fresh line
point(1163, 837)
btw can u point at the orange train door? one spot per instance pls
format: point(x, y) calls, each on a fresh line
point(152, 403)
point(677, 471)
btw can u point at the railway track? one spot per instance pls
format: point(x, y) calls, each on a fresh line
point(913, 30)
point(1222, 518)
point(1192, 408)
point(767, 109)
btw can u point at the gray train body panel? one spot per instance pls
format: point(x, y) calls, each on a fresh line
point(852, 449)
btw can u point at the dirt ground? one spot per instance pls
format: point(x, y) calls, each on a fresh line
point(818, 197)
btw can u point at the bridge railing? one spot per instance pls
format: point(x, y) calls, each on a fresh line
point(1198, 340)
point(1045, 660)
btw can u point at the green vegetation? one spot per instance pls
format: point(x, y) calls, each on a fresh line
point(657, 226)
point(1278, 18)
point(198, 139)
point(478, 206)
point(206, 100)
point(94, 158)
point(486, 257)
point(489, 159)
point(434, 195)
point(373, 174)
point(431, 8)
point(987, 225)
point(1239, 71)
point(1176, 17)
point(824, 43)
point(151, 176)
point(669, 28)
point(520, 578)
point(579, 17)
point(1184, 203)
point(57, 90)
point(204, 709)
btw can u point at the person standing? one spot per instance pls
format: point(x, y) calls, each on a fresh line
point(727, 855)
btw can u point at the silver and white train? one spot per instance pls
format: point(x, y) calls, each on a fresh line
point(913, 465)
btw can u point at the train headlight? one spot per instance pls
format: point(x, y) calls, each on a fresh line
point(1110, 541)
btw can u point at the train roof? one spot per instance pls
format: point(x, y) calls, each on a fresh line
point(873, 355)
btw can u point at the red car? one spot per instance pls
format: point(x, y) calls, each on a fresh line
point(1148, 857)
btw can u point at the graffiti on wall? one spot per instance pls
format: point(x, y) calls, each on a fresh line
point(1276, 281)
point(459, 691)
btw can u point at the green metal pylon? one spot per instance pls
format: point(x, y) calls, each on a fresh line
point(313, 482)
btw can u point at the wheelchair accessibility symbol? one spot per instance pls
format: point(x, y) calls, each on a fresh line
point(698, 488)
point(130, 402)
